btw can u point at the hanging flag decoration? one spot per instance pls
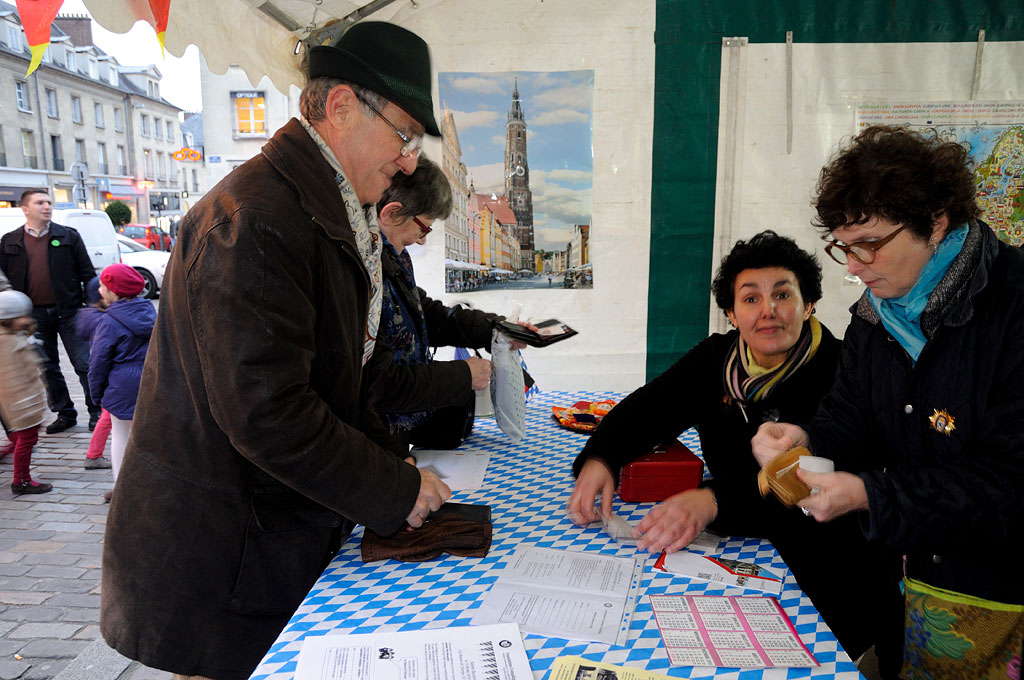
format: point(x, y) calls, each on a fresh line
point(36, 18)
point(154, 13)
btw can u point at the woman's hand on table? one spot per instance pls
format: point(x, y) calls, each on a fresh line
point(672, 524)
point(832, 494)
point(775, 438)
point(594, 478)
point(433, 494)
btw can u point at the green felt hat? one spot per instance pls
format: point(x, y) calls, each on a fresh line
point(386, 59)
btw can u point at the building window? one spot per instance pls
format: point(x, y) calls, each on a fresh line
point(69, 59)
point(160, 164)
point(51, 103)
point(122, 169)
point(28, 149)
point(195, 181)
point(97, 110)
point(80, 150)
point(14, 38)
point(58, 153)
point(250, 113)
point(145, 125)
point(118, 120)
point(170, 173)
point(158, 128)
point(112, 75)
point(76, 109)
point(21, 90)
point(148, 163)
point(92, 68)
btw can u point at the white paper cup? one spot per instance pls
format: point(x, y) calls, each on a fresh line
point(816, 464)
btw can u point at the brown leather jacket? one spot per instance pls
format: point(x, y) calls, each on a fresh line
point(253, 447)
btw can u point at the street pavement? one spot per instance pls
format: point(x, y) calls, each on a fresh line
point(50, 553)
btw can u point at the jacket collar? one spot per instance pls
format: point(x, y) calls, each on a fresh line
point(56, 231)
point(294, 154)
point(952, 300)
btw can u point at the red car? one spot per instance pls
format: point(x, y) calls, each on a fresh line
point(148, 235)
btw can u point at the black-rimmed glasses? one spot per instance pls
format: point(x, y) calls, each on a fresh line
point(411, 145)
point(862, 251)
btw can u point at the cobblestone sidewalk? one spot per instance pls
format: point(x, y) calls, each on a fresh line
point(50, 550)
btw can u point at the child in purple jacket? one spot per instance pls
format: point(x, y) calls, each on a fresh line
point(118, 350)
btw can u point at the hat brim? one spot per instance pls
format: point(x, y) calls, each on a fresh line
point(336, 62)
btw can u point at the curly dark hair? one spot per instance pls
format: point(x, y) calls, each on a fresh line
point(900, 175)
point(764, 250)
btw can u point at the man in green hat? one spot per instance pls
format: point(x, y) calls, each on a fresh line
point(254, 451)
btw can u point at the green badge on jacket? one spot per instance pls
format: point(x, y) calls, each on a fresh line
point(55, 243)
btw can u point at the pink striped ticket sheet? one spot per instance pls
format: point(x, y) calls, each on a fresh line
point(728, 632)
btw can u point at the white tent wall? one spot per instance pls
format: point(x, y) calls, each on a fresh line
point(760, 185)
point(616, 41)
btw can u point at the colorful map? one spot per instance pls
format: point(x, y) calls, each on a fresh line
point(992, 133)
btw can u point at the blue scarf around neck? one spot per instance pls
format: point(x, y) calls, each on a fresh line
point(902, 316)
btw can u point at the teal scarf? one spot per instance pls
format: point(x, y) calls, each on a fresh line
point(902, 316)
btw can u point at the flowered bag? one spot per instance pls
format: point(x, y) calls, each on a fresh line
point(953, 636)
point(583, 416)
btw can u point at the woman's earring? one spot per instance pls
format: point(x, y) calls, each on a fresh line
point(935, 246)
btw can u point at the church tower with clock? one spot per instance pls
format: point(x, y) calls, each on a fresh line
point(517, 178)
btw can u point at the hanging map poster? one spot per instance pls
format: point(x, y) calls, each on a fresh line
point(992, 133)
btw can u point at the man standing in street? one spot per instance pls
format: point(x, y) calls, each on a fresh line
point(254, 450)
point(49, 263)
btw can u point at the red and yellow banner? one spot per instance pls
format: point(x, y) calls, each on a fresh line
point(153, 12)
point(36, 18)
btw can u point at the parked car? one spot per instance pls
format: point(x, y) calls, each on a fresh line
point(150, 263)
point(152, 237)
point(95, 227)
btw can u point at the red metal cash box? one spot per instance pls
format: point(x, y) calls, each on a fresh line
point(667, 470)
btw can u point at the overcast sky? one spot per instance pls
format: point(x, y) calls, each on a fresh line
point(138, 47)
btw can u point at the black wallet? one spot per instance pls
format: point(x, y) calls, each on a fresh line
point(550, 332)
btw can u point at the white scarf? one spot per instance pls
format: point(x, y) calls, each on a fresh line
point(367, 233)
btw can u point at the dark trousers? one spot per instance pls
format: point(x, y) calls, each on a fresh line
point(50, 325)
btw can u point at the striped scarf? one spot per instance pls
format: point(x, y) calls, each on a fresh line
point(367, 235)
point(747, 383)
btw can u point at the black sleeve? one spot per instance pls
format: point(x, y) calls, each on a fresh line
point(407, 389)
point(457, 326)
point(657, 412)
point(83, 265)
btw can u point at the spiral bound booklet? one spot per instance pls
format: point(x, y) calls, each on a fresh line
point(460, 653)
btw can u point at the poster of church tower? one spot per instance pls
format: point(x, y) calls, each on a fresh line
point(517, 151)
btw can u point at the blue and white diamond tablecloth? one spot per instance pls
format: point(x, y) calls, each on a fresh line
point(527, 487)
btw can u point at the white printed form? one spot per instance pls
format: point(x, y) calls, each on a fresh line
point(558, 593)
point(473, 653)
point(728, 632)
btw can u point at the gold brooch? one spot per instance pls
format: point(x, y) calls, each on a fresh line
point(942, 422)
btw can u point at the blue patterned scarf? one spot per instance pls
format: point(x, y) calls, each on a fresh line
point(902, 316)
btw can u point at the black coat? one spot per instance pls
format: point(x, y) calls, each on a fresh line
point(406, 389)
point(70, 266)
point(253, 449)
point(952, 501)
point(831, 562)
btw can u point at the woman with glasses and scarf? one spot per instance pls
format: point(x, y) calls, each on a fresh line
point(425, 402)
point(926, 419)
point(777, 364)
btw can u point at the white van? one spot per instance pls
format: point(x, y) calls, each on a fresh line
point(94, 225)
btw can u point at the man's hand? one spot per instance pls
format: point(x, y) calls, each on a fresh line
point(433, 494)
point(480, 370)
point(595, 478)
point(673, 523)
point(832, 494)
point(775, 438)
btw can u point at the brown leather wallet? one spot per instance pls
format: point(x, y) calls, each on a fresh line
point(779, 477)
point(462, 530)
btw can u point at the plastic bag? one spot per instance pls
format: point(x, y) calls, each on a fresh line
point(508, 390)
